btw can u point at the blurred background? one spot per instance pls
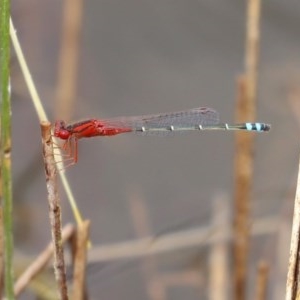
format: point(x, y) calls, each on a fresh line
point(145, 57)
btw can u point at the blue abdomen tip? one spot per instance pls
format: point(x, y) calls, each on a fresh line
point(258, 127)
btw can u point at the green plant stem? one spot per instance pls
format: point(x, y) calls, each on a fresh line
point(6, 147)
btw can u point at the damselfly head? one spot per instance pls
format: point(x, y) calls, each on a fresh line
point(60, 130)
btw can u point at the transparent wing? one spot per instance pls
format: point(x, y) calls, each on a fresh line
point(161, 123)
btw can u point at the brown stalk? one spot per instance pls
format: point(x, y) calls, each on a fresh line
point(68, 57)
point(245, 110)
point(262, 281)
point(54, 210)
point(243, 181)
point(293, 276)
point(218, 252)
point(252, 54)
point(80, 254)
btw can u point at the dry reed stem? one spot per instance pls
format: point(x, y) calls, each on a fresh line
point(262, 281)
point(292, 284)
point(246, 110)
point(293, 101)
point(41, 261)
point(80, 255)
point(152, 245)
point(54, 210)
point(243, 181)
point(252, 54)
point(218, 253)
point(68, 58)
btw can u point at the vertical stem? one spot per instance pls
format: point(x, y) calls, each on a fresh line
point(54, 210)
point(218, 252)
point(68, 58)
point(293, 276)
point(261, 281)
point(252, 54)
point(80, 254)
point(6, 147)
point(246, 110)
point(243, 180)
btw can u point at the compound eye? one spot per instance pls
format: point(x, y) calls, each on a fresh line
point(63, 134)
point(60, 130)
